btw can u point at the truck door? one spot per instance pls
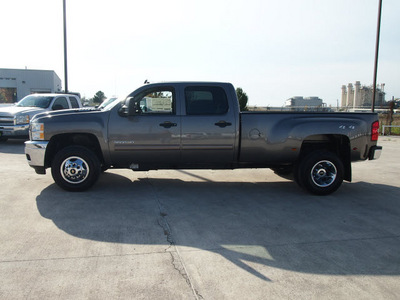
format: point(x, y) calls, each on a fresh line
point(208, 126)
point(152, 135)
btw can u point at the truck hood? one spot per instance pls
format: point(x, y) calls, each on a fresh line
point(16, 110)
point(64, 112)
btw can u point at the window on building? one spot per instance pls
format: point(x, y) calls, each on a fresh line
point(8, 95)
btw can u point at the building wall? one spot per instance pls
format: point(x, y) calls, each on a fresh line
point(21, 83)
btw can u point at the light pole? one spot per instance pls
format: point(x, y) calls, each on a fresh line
point(65, 49)
point(378, 31)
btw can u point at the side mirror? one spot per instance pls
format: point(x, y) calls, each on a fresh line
point(123, 111)
point(129, 108)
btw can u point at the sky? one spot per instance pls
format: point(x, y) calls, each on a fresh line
point(273, 50)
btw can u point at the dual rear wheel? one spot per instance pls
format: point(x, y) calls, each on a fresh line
point(320, 172)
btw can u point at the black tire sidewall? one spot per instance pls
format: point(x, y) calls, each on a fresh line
point(79, 151)
point(306, 165)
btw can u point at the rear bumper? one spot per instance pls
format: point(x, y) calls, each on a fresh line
point(375, 152)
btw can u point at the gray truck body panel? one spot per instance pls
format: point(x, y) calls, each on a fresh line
point(277, 137)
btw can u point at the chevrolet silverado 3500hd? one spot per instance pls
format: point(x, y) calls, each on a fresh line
point(198, 125)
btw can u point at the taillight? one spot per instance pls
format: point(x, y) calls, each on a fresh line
point(375, 131)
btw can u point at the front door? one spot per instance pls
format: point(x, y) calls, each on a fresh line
point(151, 136)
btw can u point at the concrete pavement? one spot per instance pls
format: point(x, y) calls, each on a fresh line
point(205, 234)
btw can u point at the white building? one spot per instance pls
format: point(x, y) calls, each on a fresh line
point(304, 103)
point(16, 83)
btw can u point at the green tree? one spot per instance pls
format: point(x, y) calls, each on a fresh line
point(99, 97)
point(242, 97)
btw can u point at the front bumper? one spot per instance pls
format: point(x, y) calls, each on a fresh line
point(375, 152)
point(35, 152)
point(11, 131)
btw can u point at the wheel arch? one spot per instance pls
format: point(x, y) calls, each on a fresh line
point(338, 144)
point(61, 141)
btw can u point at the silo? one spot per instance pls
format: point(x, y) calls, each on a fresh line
point(344, 96)
point(357, 95)
point(350, 95)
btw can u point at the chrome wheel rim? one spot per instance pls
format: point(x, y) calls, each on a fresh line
point(323, 173)
point(74, 170)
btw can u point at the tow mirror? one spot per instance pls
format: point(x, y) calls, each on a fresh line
point(129, 108)
point(123, 111)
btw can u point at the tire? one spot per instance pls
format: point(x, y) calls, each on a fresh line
point(75, 168)
point(320, 172)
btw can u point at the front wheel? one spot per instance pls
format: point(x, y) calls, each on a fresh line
point(75, 168)
point(320, 172)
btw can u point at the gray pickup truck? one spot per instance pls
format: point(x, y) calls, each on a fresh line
point(198, 125)
point(14, 119)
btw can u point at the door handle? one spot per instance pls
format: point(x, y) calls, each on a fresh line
point(168, 124)
point(223, 124)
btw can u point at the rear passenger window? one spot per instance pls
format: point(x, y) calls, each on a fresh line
point(74, 102)
point(205, 100)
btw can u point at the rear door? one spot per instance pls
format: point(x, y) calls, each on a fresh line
point(208, 126)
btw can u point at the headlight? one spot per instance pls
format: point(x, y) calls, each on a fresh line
point(37, 130)
point(21, 119)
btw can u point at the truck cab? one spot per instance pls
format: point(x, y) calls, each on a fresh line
point(180, 124)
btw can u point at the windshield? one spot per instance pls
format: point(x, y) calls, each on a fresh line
point(109, 103)
point(35, 101)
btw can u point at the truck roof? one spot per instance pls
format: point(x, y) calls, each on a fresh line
point(53, 94)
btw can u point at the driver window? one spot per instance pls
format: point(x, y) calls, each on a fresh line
point(159, 101)
point(60, 103)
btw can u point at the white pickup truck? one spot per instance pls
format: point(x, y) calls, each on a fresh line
point(14, 120)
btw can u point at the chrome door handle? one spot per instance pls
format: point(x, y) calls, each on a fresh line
point(223, 124)
point(168, 124)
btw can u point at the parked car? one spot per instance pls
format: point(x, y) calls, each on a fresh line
point(14, 120)
point(198, 125)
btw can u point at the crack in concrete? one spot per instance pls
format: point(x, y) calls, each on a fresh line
point(176, 258)
point(163, 223)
